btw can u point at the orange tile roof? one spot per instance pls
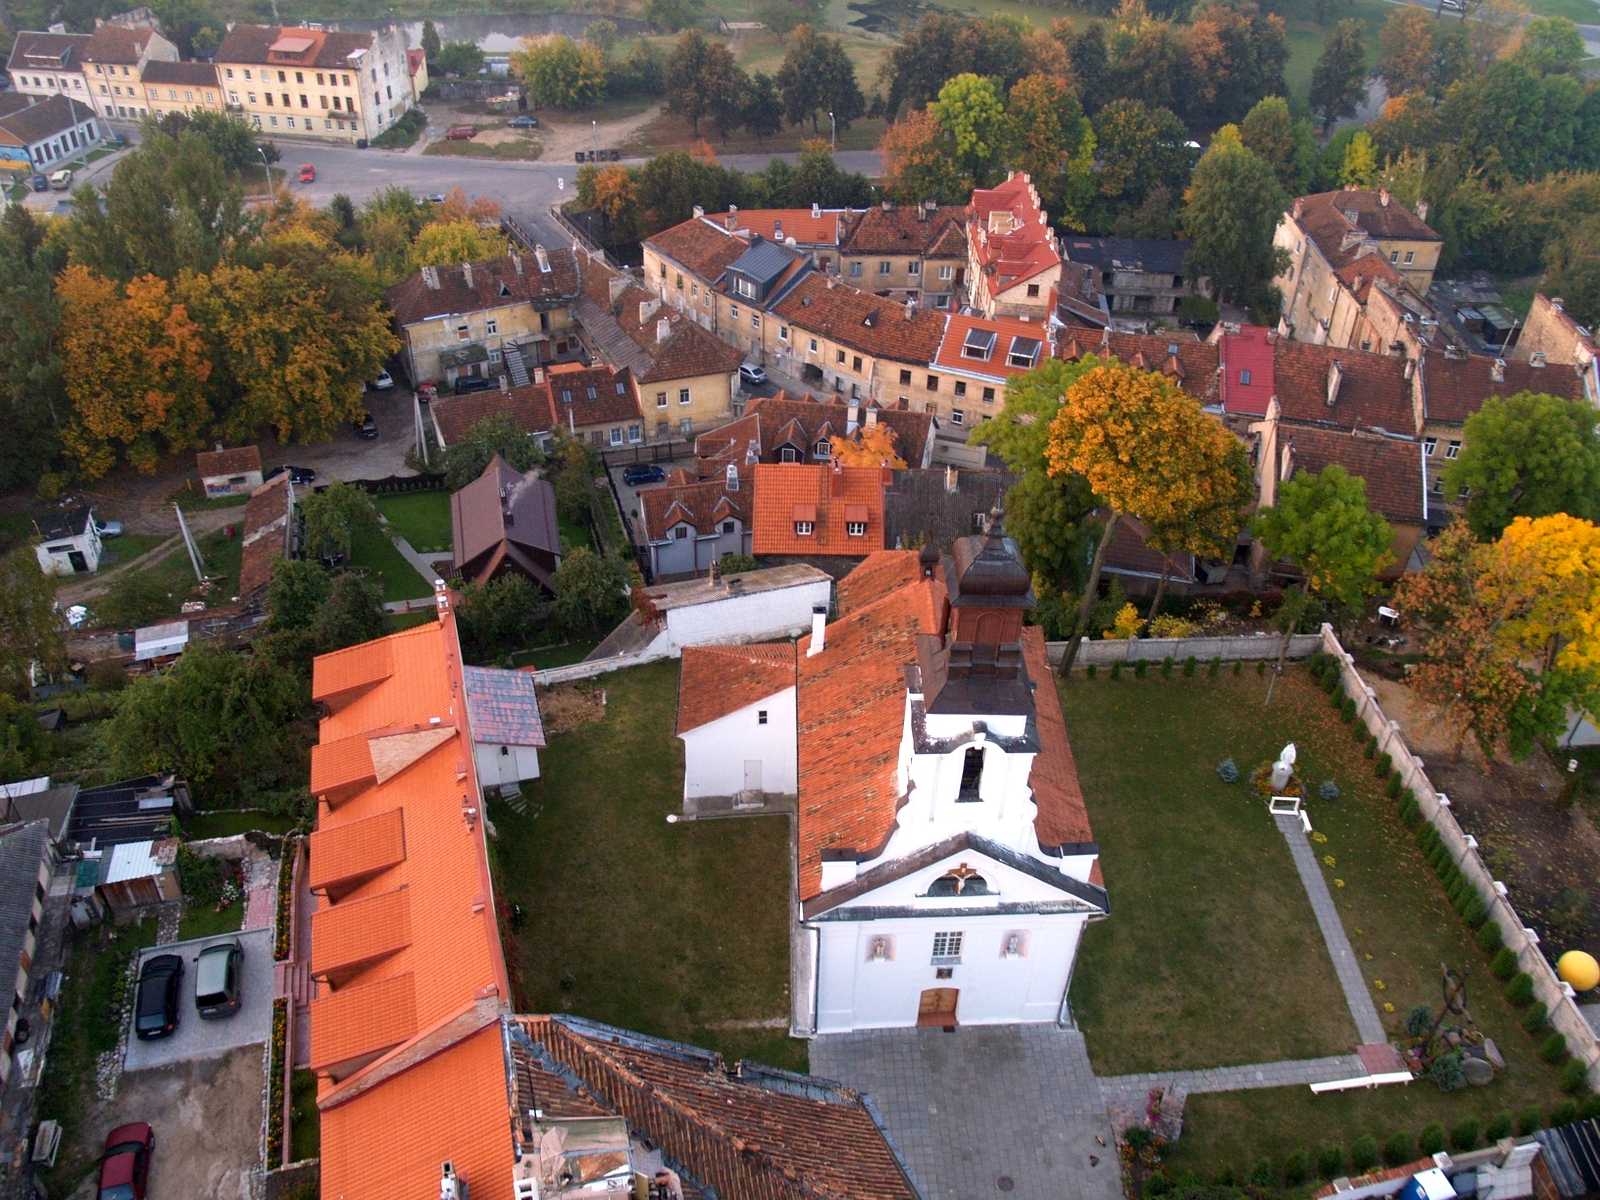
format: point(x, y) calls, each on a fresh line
point(820, 304)
point(700, 245)
point(350, 668)
point(718, 680)
point(1007, 256)
point(826, 496)
point(340, 764)
point(352, 932)
point(1008, 332)
point(389, 1140)
point(237, 460)
point(355, 1022)
point(345, 852)
point(1062, 817)
point(777, 224)
point(878, 574)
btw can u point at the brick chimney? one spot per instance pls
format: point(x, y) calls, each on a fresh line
point(699, 212)
point(836, 479)
point(1383, 197)
point(816, 210)
point(466, 273)
point(663, 330)
point(732, 219)
point(615, 286)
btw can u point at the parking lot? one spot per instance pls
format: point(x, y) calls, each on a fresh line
point(628, 494)
point(197, 1039)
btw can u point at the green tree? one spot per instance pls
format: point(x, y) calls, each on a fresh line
point(702, 79)
point(1572, 268)
point(816, 78)
point(23, 745)
point(466, 459)
point(1054, 144)
point(669, 16)
point(1138, 148)
point(33, 400)
point(1360, 167)
point(431, 45)
point(763, 107)
point(458, 58)
point(1552, 46)
point(1286, 144)
point(1230, 212)
point(30, 626)
point(560, 73)
point(1406, 50)
point(335, 517)
point(970, 110)
point(500, 617)
point(1339, 79)
point(1323, 525)
point(353, 613)
point(590, 592)
point(918, 164)
point(296, 593)
point(1527, 455)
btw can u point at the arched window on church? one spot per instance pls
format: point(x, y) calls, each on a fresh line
point(960, 882)
point(971, 774)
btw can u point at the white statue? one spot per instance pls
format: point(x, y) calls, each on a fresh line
point(1286, 755)
point(1283, 769)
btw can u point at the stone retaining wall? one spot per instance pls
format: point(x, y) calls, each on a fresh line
point(1229, 649)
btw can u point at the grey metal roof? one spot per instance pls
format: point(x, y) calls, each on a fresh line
point(21, 850)
point(62, 522)
point(1158, 256)
point(764, 261)
point(135, 810)
point(51, 805)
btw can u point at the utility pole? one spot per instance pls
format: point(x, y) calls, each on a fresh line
point(833, 133)
point(188, 541)
point(418, 428)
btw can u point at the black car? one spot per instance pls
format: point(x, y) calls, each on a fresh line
point(299, 476)
point(155, 1012)
point(642, 473)
point(471, 383)
point(366, 427)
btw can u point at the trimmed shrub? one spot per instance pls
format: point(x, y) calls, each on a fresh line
point(1574, 1076)
point(1261, 666)
point(1384, 765)
point(1589, 1107)
point(1432, 1139)
point(1330, 1162)
point(1364, 1153)
point(1393, 787)
point(1446, 1072)
point(1490, 938)
point(1295, 1167)
point(1157, 1185)
point(1419, 1019)
point(1553, 1049)
point(1520, 990)
point(1319, 663)
point(1564, 1113)
point(1139, 668)
point(1328, 790)
point(1116, 670)
point(1410, 811)
point(1397, 1149)
point(1211, 673)
point(1504, 963)
point(1535, 1019)
point(1188, 670)
point(1263, 1174)
point(1166, 668)
point(1347, 709)
point(1464, 1134)
point(1090, 671)
point(1238, 665)
point(1228, 771)
point(1476, 913)
point(1370, 748)
point(1498, 1127)
point(1529, 1120)
point(1428, 836)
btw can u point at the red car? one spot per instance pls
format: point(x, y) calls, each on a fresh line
point(461, 133)
point(308, 173)
point(125, 1164)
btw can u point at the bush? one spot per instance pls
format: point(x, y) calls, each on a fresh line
point(1553, 1049)
point(1228, 771)
point(1238, 666)
point(1564, 1113)
point(1394, 787)
point(1419, 1019)
point(1574, 1076)
point(1428, 837)
point(1261, 666)
point(1498, 1127)
point(1529, 1120)
point(1504, 963)
point(1188, 666)
point(1089, 671)
point(1589, 1108)
point(1446, 1074)
point(1214, 668)
point(1384, 765)
point(1330, 1162)
point(1535, 1019)
point(1490, 938)
point(1476, 913)
point(1370, 748)
point(1347, 709)
point(1432, 1139)
point(1364, 1153)
point(1464, 1134)
point(1166, 668)
point(1139, 668)
point(1411, 811)
point(1328, 790)
point(1263, 1175)
point(1116, 670)
point(1520, 990)
point(1295, 1166)
point(1397, 1149)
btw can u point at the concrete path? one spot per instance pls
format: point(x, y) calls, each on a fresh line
point(986, 1110)
point(1236, 1079)
point(1356, 995)
point(423, 566)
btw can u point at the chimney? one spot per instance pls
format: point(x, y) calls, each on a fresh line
point(951, 476)
point(732, 219)
point(466, 273)
point(430, 278)
point(911, 307)
point(888, 206)
point(516, 264)
point(615, 286)
point(928, 209)
point(1299, 207)
point(872, 417)
point(544, 260)
point(663, 330)
point(647, 308)
point(816, 210)
point(836, 479)
point(730, 478)
point(1422, 210)
point(699, 212)
point(819, 630)
point(1335, 377)
point(852, 420)
point(1497, 372)
point(538, 374)
point(777, 229)
point(1383, 197)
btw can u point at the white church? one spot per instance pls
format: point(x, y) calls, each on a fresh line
point(946, 866)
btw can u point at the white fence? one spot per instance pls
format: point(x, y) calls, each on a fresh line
point(600, 666)
point(1557, 997)
point(1202, 649)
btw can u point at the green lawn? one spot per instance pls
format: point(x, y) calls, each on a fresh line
point(561, 655)
point(395, 622)
point(522, 149)
point(205, 921)
point(1146, 749)
point(128, 547)
point(306, 1129)
point(1209, 958)
point(422, 518)
point(223, 823)
point(398, 579)
point(1306, 38)
point(574, 535)
point(192, 499)
point(677, 930)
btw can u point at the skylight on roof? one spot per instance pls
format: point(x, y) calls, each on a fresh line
point(979, 344)
point(1024, 352)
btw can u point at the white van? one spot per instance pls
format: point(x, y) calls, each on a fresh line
point(61, 180)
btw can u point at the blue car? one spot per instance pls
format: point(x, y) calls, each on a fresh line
point(642, 473)
point(40, 183)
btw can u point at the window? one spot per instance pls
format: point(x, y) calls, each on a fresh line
point(980, 522)
point(1438, 487)
point(635, 434)
point(1244, 377)
point(788, 454)
point(946, 948)
point(230, 72)
point(855, 270)
point(838, 356)
point(961, 387)
point(273, 121)
point(1033, 291)
point(813, 345)
point(1411, 257)
point(616, 435)
point(247, 73)
point(803, 528)
point(957, 417)
point(686, 426)
point(1429, 445)
point(661, 399)
point(905, 378)
point(941, 301)
point(1464, 493)
point(823, 448)
point(761, 716)
point(755, 320)
point(299, 77)
point(267, 96)
point(856, 528)
point(883, 267)
point(733, 312)
point(683, 395)
point(1453, 449)
point(783, 333)
point(462, 332)
point(963, 881)
point(289, 121)
point(745, 288)
point(319, 78)
point(855, 363)
point(492, 325)
point(988, 395)
point(914, 267)
point(947, 273)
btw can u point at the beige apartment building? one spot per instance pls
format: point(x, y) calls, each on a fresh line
point(49, 64)
point(908, 252)
point(1550, 335)
point(184, 87)
point(114, 59)
point(314, 82)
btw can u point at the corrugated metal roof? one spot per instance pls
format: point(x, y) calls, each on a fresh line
point(25, 787)
point(132, 860)
point(764, 261)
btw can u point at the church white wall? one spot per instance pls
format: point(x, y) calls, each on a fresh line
point(715, 754)
point(1003, 812)
point(760, 616)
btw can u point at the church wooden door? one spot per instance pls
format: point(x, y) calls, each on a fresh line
point(937, 1006)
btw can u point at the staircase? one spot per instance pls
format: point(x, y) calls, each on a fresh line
point(293, 979)
point(515, 367)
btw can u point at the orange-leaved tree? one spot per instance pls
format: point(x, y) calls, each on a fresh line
point(136, 369)
point(872, 446)
point(1146, 450)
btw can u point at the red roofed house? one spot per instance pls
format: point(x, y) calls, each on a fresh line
point(946, 866)
point(506, 521)
point(1013, 261)
point(689, 524)
point(1245, 377)
point(916, 252)
point(817, 510)
point(1550, 335)
point(785, 428)
point(736, 722)
point(979, 356)
point(235, 471)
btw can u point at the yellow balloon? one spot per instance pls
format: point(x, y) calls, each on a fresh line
point(1580, 969)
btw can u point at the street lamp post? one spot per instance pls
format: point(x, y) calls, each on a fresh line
point(833, 134)
point(267, 167)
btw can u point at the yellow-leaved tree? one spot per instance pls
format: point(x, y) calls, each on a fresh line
point(136, 370)
point(445, 243)
point(1545, 576)
point(872, 446)
point(1146, 450)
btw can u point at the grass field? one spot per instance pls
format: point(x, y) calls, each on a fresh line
point(398, 579)
point(204, 920)
point(675, 930)
point(223, 823)
point(518, 150)
point(305, 1131)
point(1147, 751)
point(422, 518)
point(561, 655)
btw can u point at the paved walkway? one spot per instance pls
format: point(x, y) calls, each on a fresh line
point(407, 552)
point(1345, 966)
point(986, 1110)
point(1236, 1079)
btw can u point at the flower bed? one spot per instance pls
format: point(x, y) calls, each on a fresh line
point(283, 926)
point(275, 1071)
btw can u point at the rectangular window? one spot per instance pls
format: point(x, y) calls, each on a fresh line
point(462, 333)
point(635, 434)
point(1033, 290)
point(616, 435)
point(661, 399)
point(274, 121)
point(988, 395)
point(855, 270)
point(933, 383)
point(914, 267)
point(946, 948)
point(905, 377)
point(1429, 445)
point(746, 289)
point(683, 395)
point(1394, 256)
point(1453, 449)
point(957, 417)
point(492, 325)
point(947, 273)
point(838, 356)
point(783, 333)
point(230, 72)
point(855, 363)
point(247, 73)
point(299, 77)
point(290, 121)
point(755, 320)
point(1244, 377)
point(733, 312)
point(761, 716)
point(1411, 257)
point(803, 528)
point(856, 528)
point(961, 387)
point(883, 267)
point(319, 78)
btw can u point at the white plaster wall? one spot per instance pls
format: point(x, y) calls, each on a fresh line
point(761, 616)
point(714, 754)
point(519, 763)
point(1003, 812)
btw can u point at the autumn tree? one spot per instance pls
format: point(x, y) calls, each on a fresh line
point(1360, 167)
point(1146, 450)
point(871, 446)
point(1339, 80)
point(559, 72)
point(1527, 455)
point(917, 163)
point(446, 243)
point(615, 196)
point(816, 78)
point(30, 624)
point(1406, 50)
point(1230, 211)
point(136, 367)
point(1053, 143)
point(969, 109)
point(1323, 524)
point(1138, 148)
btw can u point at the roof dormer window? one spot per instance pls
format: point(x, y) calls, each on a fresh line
point(823, 449)
point(979, 344)
point(590, 392)
point(1024, 352)
point(804, 528)
point(856, 528)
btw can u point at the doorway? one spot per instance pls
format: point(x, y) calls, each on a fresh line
point(79, 562)
point(936, 1009)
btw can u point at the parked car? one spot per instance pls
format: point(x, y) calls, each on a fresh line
point(125, 1162)
point(40, 183)
point(216, 979)
point(461, 133)
point(471, 383)
point(641, 473)
point(308, 173)
point(752, 374)
point(115, 140)
point(156, 1008)
point(299, 476)
point(109, 529)
point(383, 382)
point(61, 180)
point(524, 122)
point(366, 428)
point(436, 198)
